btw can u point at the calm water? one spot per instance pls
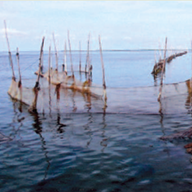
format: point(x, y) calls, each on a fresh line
point(94, 151)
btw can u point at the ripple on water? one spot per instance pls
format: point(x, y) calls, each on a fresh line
point(94, 152)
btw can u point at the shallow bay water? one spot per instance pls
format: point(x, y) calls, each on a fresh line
point(93, 151)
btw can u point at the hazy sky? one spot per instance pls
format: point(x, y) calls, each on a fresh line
point(121, 24)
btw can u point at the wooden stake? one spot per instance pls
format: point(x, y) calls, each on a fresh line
point(70, 55)
point(33, 107)
point(103, 71)
point(40, 60)
point(19, 83)
point(65, 57)
point(56, 55)
point(49, 68)
point(49, 64)
point(57, 91)
point(10, 56)
point(17, 55)
point(87, 59)
point(162, 72)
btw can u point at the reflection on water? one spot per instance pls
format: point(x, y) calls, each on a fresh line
point(95, 152)
point(38, 129)
point(76, 145)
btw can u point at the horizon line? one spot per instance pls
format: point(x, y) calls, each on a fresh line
point(147, 49)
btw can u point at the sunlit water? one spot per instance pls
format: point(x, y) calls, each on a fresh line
point(90, 151)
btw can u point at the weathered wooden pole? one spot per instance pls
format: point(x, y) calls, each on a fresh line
point(87, 59)
point(40, 61)
point(19, 83)
point(162, 72)
point(70, 55)
point(9, 51)
point(103, 71)
point(65, 57)
point(49, 64)
point(89, 62)
point(33, 107)
point(17, 55)
point(56, 55)
point(49, 68)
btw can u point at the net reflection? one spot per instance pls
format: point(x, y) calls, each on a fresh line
point(67, 134)
point(60, 126)
point(17, 121)
point(38, 129)
point(105, 138)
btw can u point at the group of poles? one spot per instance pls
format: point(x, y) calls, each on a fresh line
point(36, 88)
point(164, 61)
point(88, 67)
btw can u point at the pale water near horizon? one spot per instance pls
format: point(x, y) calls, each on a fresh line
point(93, 151)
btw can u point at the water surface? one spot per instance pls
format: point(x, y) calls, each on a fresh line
point(92, 151)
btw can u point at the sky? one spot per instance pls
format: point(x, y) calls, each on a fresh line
point(120, 24)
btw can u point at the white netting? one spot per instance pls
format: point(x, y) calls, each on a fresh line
point(72, 95)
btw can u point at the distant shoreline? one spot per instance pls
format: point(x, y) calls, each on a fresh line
point(111, 50)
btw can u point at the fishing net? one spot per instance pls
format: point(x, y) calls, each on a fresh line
point(68, 97)
point(20, 93)
point(68, 94)
point(54, 76)
point(143, 100)
point(70, 82)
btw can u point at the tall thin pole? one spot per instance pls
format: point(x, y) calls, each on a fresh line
point(87, 59)
point(103, 71)
point(162, 72)
point(40, 61)
point(70, 55)
point(19, 97)
point(10, 57)
point(33, 107)
point(49, 64)
point(65, 57)
point(56, 55)
point(17, 55)
point(49, 68)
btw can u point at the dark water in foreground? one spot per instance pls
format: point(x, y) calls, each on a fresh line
point(94, 151)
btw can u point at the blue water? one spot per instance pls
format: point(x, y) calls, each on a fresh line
point(94, 151)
